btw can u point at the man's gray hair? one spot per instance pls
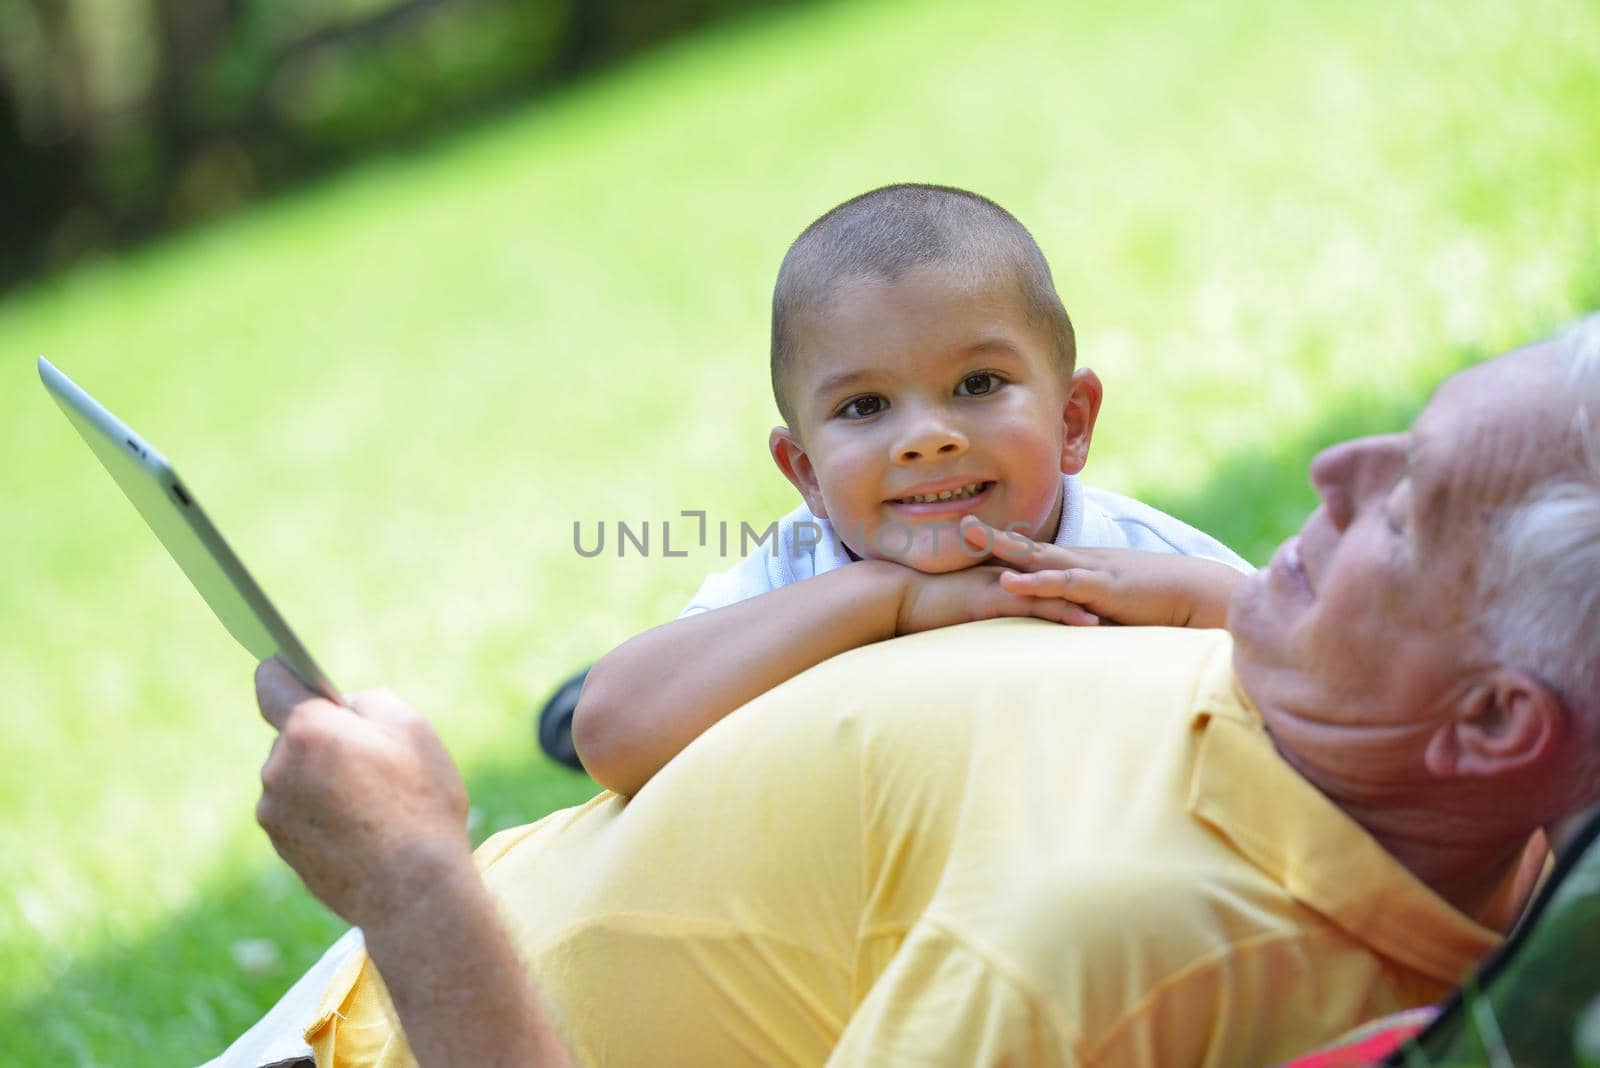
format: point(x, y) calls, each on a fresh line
point(1542, 582)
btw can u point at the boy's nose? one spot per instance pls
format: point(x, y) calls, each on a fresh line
point(930, 438)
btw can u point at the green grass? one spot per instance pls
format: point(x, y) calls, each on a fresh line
point(1274, 225)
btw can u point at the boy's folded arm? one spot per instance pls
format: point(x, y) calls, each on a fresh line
point(647, 699)
point(1136, 587)
point(1130, 586)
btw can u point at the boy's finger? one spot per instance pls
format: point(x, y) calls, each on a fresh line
point(1022, 552)
point(1071, 584)
point(1017, 550)
point(1050, 608)
point(1068, 613)
point(977, 533)
point(1032, 583)
point(983, 536)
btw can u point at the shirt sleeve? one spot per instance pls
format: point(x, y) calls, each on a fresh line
point(1115, 521)
point(941, 1003)
point(748, 578)
point(792, 549)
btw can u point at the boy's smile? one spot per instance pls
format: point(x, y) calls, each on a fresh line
point(924, 400)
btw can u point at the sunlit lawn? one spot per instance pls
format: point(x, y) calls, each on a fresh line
point(1273, 224)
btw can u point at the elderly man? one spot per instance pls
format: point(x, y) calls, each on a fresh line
point(1018, 843)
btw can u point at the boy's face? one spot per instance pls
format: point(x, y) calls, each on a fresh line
point(924, 400)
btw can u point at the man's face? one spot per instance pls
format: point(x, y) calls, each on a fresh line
point(927, 399)
point(1367, 616)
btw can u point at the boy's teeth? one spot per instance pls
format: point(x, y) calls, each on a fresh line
point(944, 495)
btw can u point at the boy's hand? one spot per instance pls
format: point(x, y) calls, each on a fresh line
point(1127, 586)
point(975, 593)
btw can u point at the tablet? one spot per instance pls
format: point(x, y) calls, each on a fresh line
point(150, 482)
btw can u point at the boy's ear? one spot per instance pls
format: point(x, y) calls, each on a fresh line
point(792, 460)
point(1514, 722)
point(1078, 413)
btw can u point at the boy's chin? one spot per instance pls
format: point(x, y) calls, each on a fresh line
point(942, 565)
point(945, 559)
point(934, 548)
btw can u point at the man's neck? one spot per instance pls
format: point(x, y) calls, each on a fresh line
point(1482, 877)
point(1463, 857)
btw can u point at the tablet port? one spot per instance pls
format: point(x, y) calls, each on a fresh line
point(177, 491)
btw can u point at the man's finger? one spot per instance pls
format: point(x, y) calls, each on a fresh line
point(382, 706)
point(278, 691)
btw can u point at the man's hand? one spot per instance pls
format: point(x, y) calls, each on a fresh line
point(1127, 586)
point(364, 803)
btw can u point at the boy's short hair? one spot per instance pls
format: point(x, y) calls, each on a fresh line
point(884, 233)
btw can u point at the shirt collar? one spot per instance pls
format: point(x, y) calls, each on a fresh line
point(1069, 532)
point(1243, 789)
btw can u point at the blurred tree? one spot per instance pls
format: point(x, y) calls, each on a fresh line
point(119, 120)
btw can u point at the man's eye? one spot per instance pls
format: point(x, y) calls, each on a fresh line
point(979, 384)
point(1395, 510)
point(1395, 516)
point(862, 407)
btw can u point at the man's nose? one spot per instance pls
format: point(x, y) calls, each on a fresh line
point(1344, 474)
point(929, 434)
point(1329, 477)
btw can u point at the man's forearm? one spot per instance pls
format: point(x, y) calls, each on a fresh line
point(453, 976)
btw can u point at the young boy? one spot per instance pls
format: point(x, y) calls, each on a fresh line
point(925, 370)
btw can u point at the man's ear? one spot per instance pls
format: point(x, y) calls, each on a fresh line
point(1513, 722)
point(1078, 413)
point(791, 458)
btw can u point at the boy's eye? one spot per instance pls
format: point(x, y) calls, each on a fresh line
point(979, 384)
point(862, 407)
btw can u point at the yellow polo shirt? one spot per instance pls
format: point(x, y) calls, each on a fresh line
point(1004, 843)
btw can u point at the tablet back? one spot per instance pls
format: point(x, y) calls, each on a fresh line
point(150, 482)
